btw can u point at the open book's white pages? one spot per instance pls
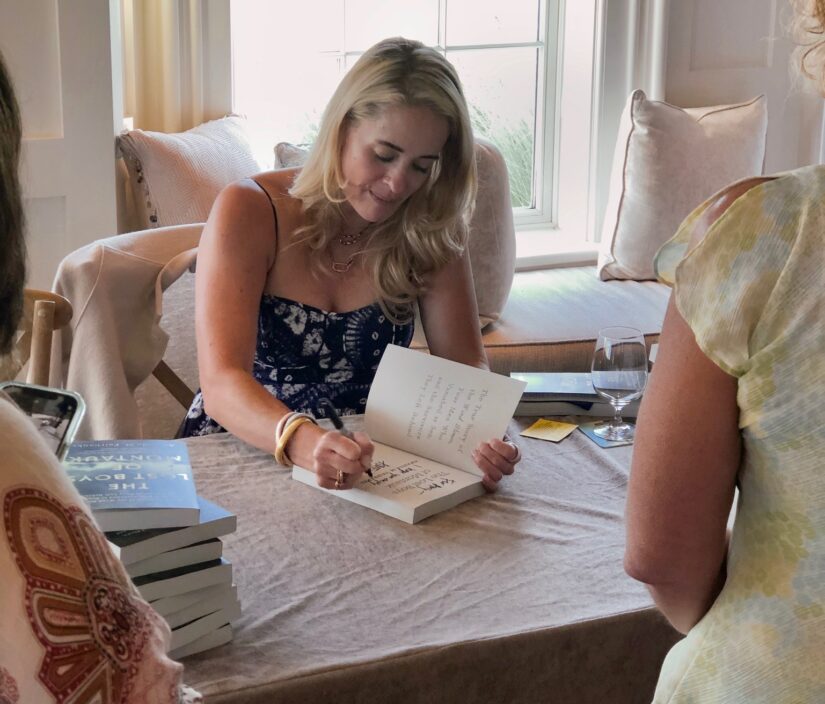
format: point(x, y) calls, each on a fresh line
point(436, 408)
point(405, 486)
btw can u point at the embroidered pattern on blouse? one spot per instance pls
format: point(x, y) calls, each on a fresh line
point(9, 694)
point(78, 600)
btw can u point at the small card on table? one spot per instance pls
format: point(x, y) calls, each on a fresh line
point(589, 428)
point(552, 430)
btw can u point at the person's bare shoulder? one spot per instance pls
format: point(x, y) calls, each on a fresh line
point(723, 201)
point(278, 182)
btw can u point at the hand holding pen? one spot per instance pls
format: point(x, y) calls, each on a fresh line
point(339, 424)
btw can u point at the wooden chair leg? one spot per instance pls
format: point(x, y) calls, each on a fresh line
point(174, 384)
point(41, 349)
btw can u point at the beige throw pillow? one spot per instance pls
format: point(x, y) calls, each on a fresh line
point(668, 160)
point(175, 178)
point(492, 244)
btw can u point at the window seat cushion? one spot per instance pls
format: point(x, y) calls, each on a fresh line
point(552, 318)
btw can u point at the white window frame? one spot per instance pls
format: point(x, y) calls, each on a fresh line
point(609, 48)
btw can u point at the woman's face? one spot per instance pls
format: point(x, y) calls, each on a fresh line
point(387, 159)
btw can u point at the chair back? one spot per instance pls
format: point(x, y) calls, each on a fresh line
point(132, 288)
point(43, 313)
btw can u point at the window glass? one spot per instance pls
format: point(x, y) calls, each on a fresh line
point(500, 86)
point(369, 21)
point(492, 22)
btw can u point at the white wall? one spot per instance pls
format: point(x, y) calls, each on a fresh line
point(730, 51)
point(59, 55)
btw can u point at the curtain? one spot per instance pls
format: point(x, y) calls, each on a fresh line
point(166, 64)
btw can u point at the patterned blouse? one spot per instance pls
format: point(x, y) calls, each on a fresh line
point(73, 628)
point(304, 354)
point(753, 292)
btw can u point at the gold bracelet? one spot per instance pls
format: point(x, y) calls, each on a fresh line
point(284, 421)
point(280, 451)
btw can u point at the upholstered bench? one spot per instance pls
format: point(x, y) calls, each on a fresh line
point(552, 318)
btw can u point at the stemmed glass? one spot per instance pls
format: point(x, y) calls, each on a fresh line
point(619, 374)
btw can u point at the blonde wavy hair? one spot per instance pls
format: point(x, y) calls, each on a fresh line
point(429, 228)
point(808, 26)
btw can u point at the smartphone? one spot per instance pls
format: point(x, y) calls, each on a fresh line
point(56, 413)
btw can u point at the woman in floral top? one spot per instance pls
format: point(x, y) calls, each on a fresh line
point(737, 400)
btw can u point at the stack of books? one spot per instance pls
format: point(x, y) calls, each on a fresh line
point(565, 394)
point(143, 497)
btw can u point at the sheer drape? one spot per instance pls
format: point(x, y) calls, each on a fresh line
point(167, 55)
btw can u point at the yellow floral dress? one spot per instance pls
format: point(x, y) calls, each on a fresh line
point(753, 292)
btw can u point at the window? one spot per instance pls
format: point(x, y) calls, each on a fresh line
point(505, 53)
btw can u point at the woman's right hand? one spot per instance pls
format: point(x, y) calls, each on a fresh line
point(337, 461)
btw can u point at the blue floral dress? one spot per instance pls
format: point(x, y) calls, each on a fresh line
point(304, 354)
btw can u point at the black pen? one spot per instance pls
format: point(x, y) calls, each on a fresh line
point(339, 424)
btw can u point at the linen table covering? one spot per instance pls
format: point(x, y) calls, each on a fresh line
point(517, 596)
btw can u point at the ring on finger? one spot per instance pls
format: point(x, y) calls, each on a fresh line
point(517, 449)
point(339, 479)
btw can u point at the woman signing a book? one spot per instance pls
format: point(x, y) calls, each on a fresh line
point(306, 275)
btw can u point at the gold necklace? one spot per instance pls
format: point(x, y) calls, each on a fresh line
point(343, 267)
point(347, 240)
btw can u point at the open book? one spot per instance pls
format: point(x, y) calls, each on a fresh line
point(425, 416)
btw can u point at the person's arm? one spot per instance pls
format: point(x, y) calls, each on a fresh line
point(236, 252)
point(685, 459)
point(686, 454)
point(449, 314)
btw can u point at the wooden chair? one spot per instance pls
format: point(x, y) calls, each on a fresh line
point(43, 313)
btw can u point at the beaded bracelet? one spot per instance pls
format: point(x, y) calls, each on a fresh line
point(287, 432)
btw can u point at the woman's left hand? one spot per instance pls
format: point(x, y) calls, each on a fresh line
point(496, 458)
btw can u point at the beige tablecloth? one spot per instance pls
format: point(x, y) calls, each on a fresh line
point(518, 596)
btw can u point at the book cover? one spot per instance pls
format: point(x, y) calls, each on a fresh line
point(184, 579)
point(557, 386)
point(425, 416)
point(134, 545)
point(134, 484)
point(599, 409)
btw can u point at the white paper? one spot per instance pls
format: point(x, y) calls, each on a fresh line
point(437, 408)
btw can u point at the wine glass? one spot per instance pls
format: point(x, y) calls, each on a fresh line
point(619, 374)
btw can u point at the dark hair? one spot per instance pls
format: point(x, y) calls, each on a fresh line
point(12, 243)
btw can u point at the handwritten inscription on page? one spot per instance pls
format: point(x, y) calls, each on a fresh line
point(437, 408)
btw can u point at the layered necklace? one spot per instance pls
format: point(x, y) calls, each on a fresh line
point(346, 240)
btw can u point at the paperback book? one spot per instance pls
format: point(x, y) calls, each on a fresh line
point(134, 484)
point(564, 394)
point(137, 545)
point(184, 579)
point(211, 640)
point(425, 416)
point(204, 551)
point(224, 597)
point(199, 627)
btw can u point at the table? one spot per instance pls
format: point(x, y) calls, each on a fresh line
point(517, 596)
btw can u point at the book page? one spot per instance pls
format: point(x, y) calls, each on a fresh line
point(404, 485)
point(436, 408)
point(408, 479)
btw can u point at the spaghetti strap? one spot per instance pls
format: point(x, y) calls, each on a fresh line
point(271, 203)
